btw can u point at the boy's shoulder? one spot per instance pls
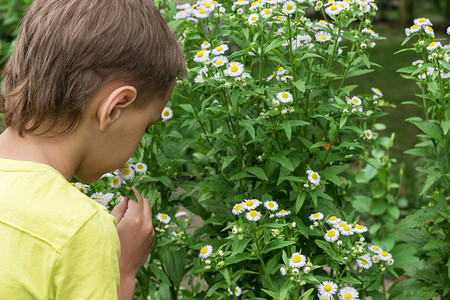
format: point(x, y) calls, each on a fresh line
point(36, 200)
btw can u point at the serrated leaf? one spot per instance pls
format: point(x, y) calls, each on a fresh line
point(283, 160)
point(431, 179)
point(300, 85)
point(331, 177)
point(258, 172)
point(435, 244)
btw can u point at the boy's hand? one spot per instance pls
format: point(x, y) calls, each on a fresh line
point(136, 233)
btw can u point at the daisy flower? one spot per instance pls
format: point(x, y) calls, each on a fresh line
point(297, 260)
point(201, 55)
point(360, 229)
point(180, 15)
point(370, 31)
point(266, 13)
point(253, 215)
point(332, 235)
point(333, 220)
point(81, 187)
point(348, 293)
point(163, 218)
point(283, 213)
point(385, 256)
point(180, 213)
point(323, 36)
point(346, 230)
point(167, 113)
point(422, 22)
point(433, 45)
point(117, 182)
point(364, 262)
point(202, 13)
point(333, 10)
point(415, 28)
point(436, 296)
point(235, 69)
point(285, 97)
point(283, 271)
point(429, 30)
point(127, 173)
point(250, 204)
point(237, 209)
point(281, 71)
point(390, 262)
point(327, 288)
point(316, 216)
point(101, 198)
point(368, 134)
point(237, 291)
point(448, 30)
point(241, 2)
point(140, 167)
point(363, 2)
point(340, 224)
point(375, 249)
point(295, 271)
point(220, 49)
point(377, 92)
point(376, 259)
point(253, 18)
point(364, 8)
point(219, 61)
point(324, 297)
point(271, 205)
point(356, 101)
point(206, 251)
point(289, 7)
point(313, 177)
point(199, 78)
point(418, 62)
point(206, 45)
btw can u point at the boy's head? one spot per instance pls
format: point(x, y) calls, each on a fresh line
point(66, 51)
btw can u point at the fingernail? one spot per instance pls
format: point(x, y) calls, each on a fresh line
point(121, 198)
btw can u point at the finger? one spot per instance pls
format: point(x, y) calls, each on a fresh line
point(148, 210)
point(120, 209)
point(139, 197)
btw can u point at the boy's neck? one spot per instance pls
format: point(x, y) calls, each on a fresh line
point(57, 152)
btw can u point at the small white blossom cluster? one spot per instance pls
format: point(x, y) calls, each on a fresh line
point(211, 259)
point(126, 173)
point(81, 187)
point(249, 206)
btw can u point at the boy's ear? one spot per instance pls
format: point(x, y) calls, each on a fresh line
point(111, 106)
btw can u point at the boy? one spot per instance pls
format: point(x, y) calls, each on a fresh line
point(85, 80)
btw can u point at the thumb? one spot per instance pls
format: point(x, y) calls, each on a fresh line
point(120, 209)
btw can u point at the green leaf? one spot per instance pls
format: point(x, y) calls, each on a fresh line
point(286, 125)
point(349, 279)
point(306, 294)
point(227, 161)
point(394, 211)
point(431, 179)
point(434, 244)
point(331, 177)
point(342, 121)
point(274, 44)
point(282, 160)
point(226, 275)
point(445, 126)
point(249, 127)
point(299, 202)
point(187, 107)
point(174, 263)
point(277, 244)
point(431, 128)
point(300, 85)
point(239, 245)
point(258, 172)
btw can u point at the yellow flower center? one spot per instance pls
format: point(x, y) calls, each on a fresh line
point(205, 43)
point(253, 213)
point(115, 181)
point(330, 1)
point(346, 228)
point(164, 217)
point(202, 11)
point(333, 7)
point(280, 69)
point(236, 291)
point(316, 215)
point(435, 295)
point(140, 167)
point(81, 189)
point(166, 113)
point(234, 69)
point(430, 29)
point(323, 38)
point(282, 211)
point(254, 18)
point(363, 262)
point(375, 259)
point(238, 207)
point(289, 6)
point(220, 48)
point(271, 205)
point(314, 176)
point(333, 218)
point(207, 5)
point(342, 224)
point(297, 259)
point(284, 95)
point(248, 202)
point(126, 172)
point(359, 226)
point(432, 44)
point(219, 62)
point(331, 233)
point(421, 20)
point(267, 11)
point(327, 288)
point(384, 253)
point(348, 296)
point(204, 250)
point(200, 54)
point(415, 26)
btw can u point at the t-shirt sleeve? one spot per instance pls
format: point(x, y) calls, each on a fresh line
point(88, 267)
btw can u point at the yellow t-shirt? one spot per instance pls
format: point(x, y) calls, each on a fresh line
point(55, 242)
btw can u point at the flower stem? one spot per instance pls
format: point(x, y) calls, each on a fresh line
point(263, 265)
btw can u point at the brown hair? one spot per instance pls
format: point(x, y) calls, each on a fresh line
point(67, 50)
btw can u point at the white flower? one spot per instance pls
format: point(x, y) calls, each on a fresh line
point(250, 204)
point(202, 13)
point(101, 198)
point(240, 11)
point(356, 101)
point(415, 28)
point(167, 113)
point(265, 13)
point(323, 36)
point(436, 296)
point(206, 45)
point(289, 7)
point(348, 293)
point(241, 2)
point(253, 215)
point(433, 45)
point(364, 262)
point(313, 177)
point(219, 61)
point(163, 218)
point(285, 97)
point(370, 31)
point(316, 216)
point(201, 55)
point(377, 92)
point(283, 213)
point(117, 182)
point(360, 229)
point(220, 49)
point(385, 256)
point(81, 187)
point(297, 260)
point(253, 18)
point(327, 288)
point(307, 270)
point(237, 209)
point(206, 251)
point(237, 291)
point(283, 271)
point(180, 15)
point(368, 134)
point(346, 230)
point(140, 167)
point(375, 249)
point(376, 259)
point(295, 271)
point(180, 213)
point(199, 78)
point(333, 10)
point(390, 262)
point(422, 22)
point(429, 30)
point(235, 69)
point(333, 220)
point(331, 235)
point(271, 205)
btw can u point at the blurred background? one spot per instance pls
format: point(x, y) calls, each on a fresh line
point(392, 18)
